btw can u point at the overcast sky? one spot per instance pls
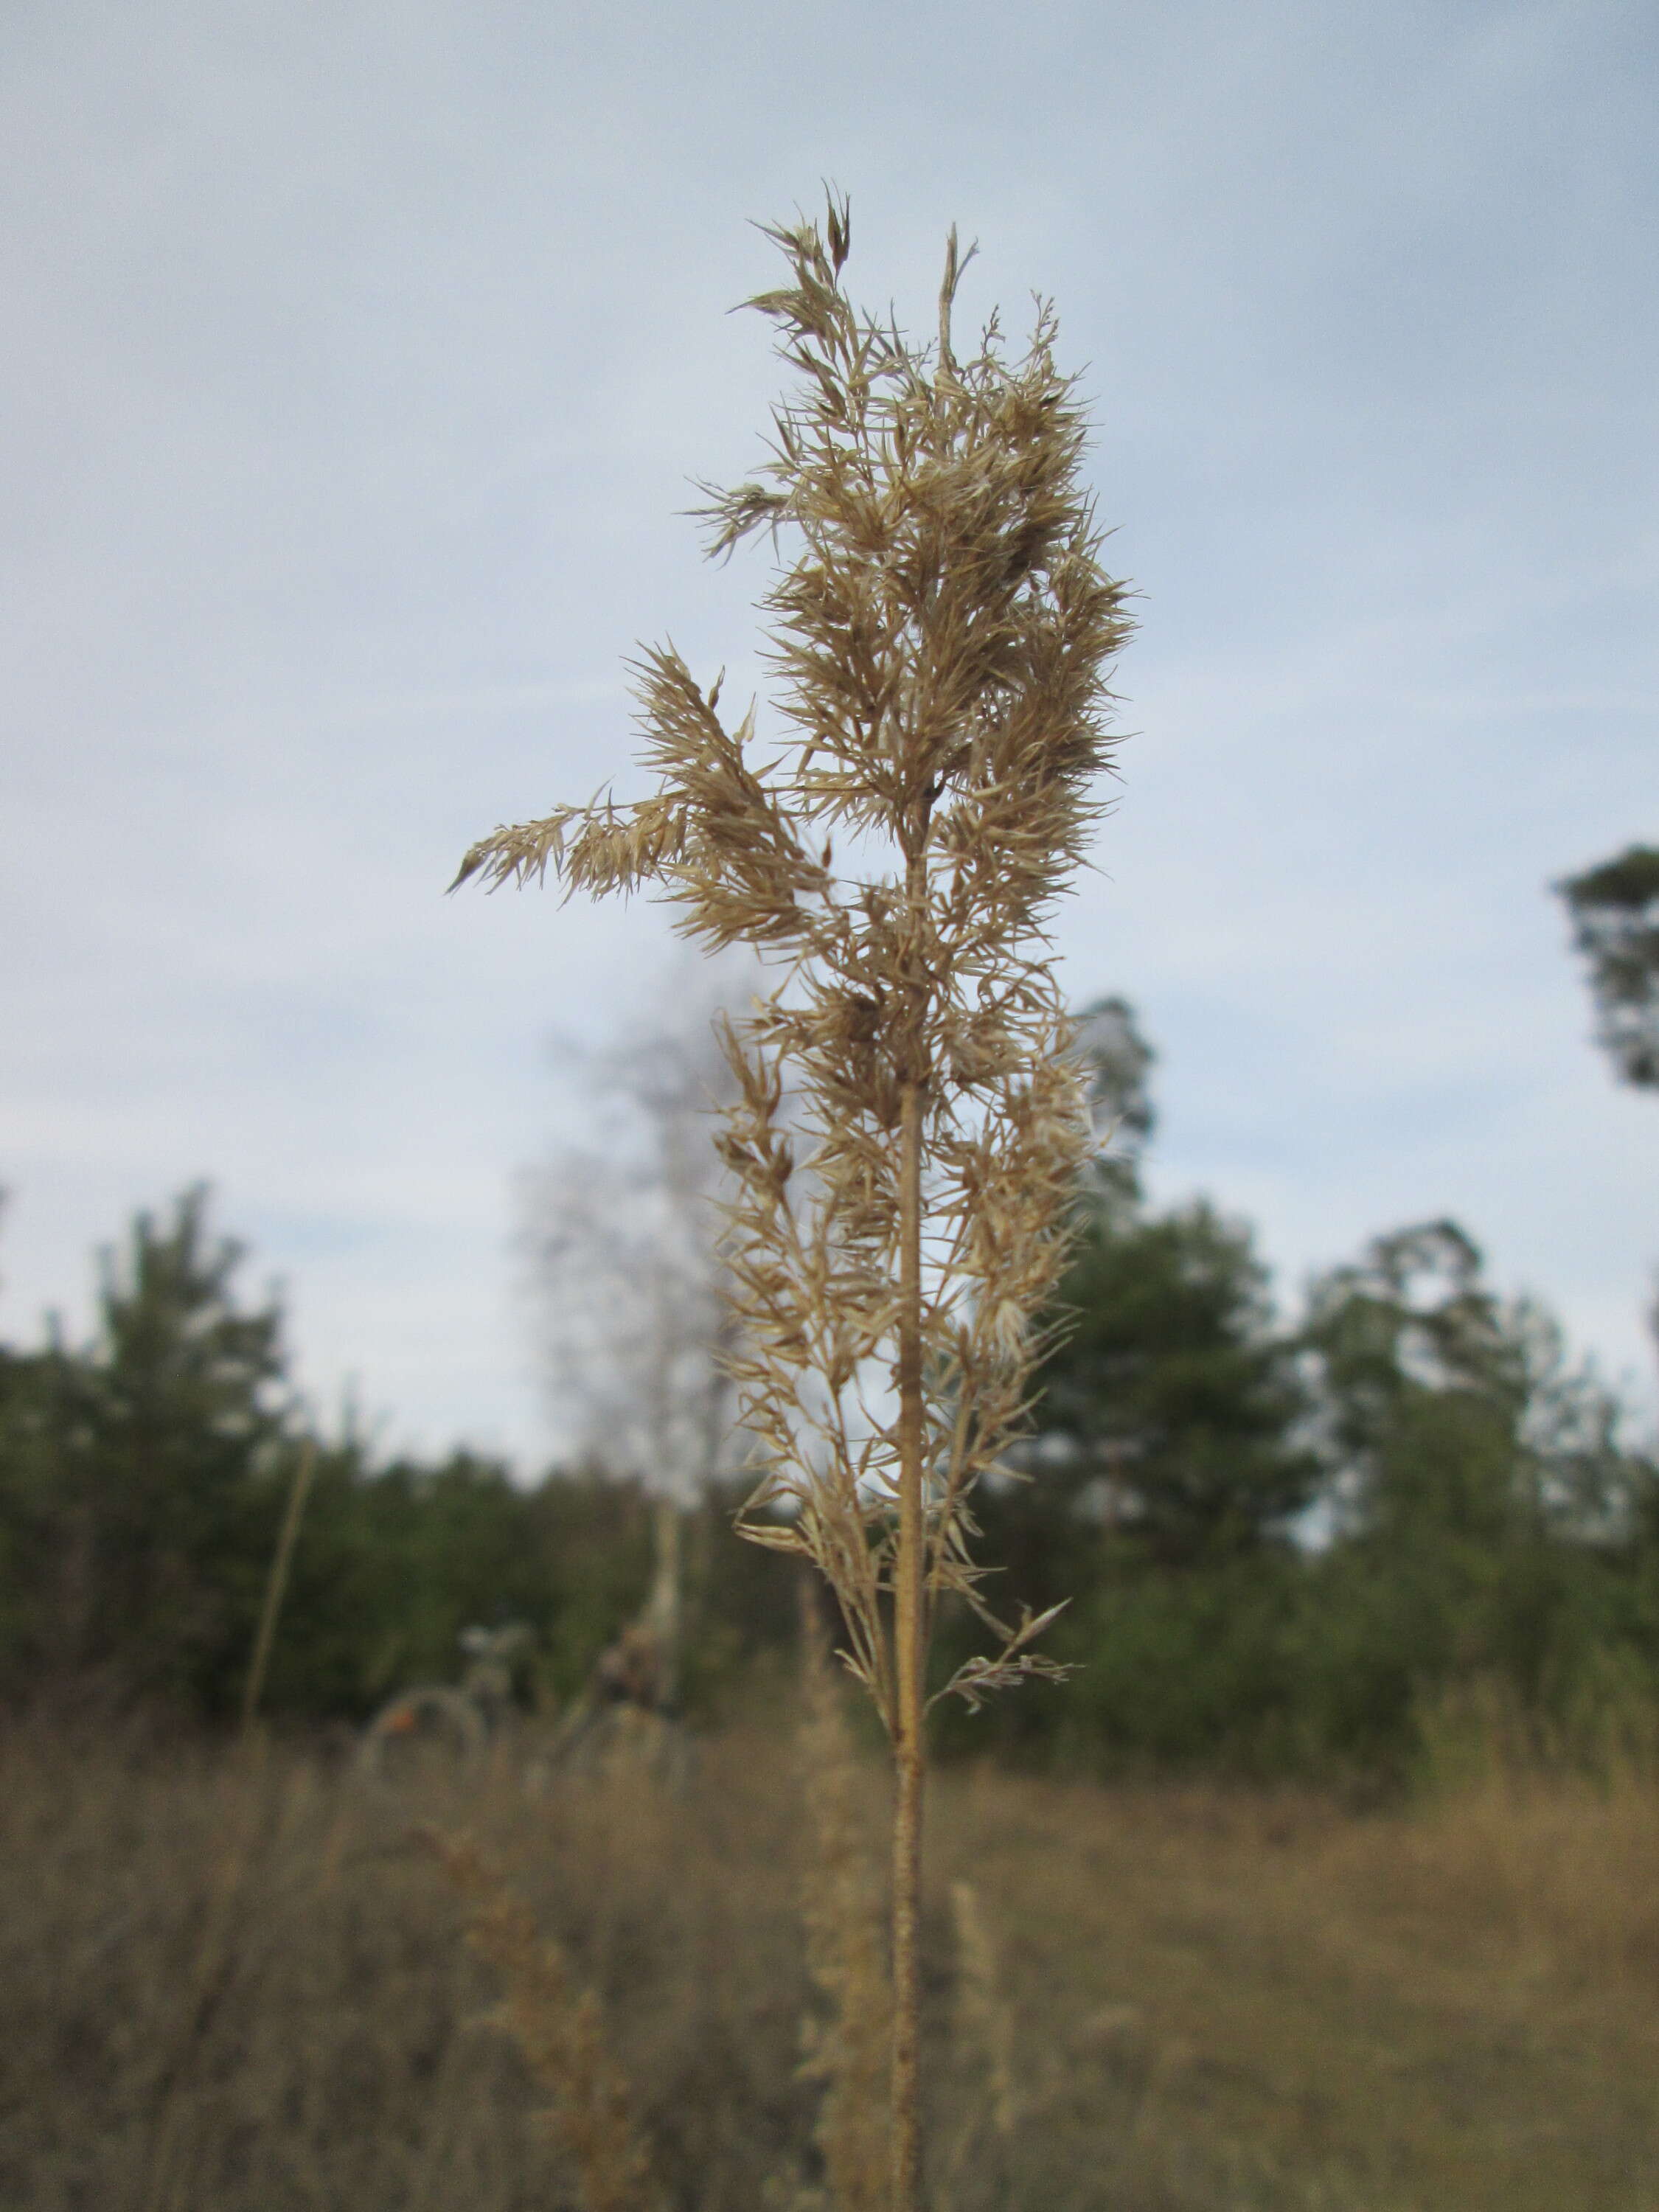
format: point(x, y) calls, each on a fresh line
point(353, 362)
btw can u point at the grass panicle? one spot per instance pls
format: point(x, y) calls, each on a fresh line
point(561, 2032)
point(893, 837)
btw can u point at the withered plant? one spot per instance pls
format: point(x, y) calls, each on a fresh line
point(561, 2033)
point(909, 1123)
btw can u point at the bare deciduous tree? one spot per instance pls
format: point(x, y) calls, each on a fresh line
point(623, 1246)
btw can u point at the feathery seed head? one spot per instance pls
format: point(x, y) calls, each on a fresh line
point(941, 628)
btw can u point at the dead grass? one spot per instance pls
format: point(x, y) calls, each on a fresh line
point(241, 1983)
point(1457, 2007)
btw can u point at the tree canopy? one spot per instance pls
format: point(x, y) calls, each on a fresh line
point(1615, 922)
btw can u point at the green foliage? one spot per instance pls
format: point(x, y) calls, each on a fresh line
point(1117, 1066)
point(1452, 1420)
point(44, 1529)
point(1197, 1666)
point(143, 1479)
point(1162, 1481)
point(132, 1475)
point(1168, 1409)
point(1285, 1548)
point(1615, 924)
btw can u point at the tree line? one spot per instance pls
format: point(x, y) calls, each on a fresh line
point(143, 1479)
point(1282, 1544)
point(1286, 1547)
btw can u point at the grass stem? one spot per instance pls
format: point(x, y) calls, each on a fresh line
point(277, 1582)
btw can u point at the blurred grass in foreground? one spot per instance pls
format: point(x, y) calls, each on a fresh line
point(236, 1982)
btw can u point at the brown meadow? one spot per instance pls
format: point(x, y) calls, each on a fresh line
point(238, 1980)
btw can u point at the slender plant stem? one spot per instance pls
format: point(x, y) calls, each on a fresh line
point(908, 1636)
point(277, 1582)
point(665, 1610)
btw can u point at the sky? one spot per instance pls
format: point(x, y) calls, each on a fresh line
point(357, 362)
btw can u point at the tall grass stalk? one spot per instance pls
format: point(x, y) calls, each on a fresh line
point(908, 1122)
point(849, 2046)
point(277, 1582)
point(236, 1831)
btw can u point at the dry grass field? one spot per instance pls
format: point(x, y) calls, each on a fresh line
point(240, 1982)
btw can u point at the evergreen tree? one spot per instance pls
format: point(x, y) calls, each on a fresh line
point(1164, 1472)
point(45, 1530)
point(1487, 1512)
point(1117, 1062)
point(138, 1477)
point(183, 1425)
point(1451, 1416)
point(1166, 1403)
point(1168, 1409)
point(1616, 924)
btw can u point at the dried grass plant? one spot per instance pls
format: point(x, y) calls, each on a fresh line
point(909, 1124)
point(1455, 2005)
point(561, 2032)
point(975, 2158)
point(305, 1467)
point(985, 2023)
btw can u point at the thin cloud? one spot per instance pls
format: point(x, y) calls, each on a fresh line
point(356, 364)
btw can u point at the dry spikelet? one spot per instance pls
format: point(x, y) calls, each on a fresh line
point(848, 2046)
point(985, 2020)
point(561, 2032)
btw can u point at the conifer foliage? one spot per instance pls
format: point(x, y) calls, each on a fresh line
point(1615, 924)
point(910, 1121)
